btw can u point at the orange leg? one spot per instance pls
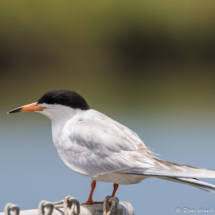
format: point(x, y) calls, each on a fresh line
point(115, 187)
point(90, 201)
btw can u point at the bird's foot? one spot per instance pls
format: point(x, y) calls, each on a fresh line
point(89, 202)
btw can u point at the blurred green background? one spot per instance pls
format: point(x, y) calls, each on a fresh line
point(147, 64)
point(135, 54)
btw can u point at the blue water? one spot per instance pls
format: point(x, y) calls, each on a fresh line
point(31, 169)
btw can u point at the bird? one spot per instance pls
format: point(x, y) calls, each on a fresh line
point(94, 145)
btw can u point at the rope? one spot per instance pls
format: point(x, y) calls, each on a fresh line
point(11, 207)
point(111, 210)
point(71, 206)
point(44, 204)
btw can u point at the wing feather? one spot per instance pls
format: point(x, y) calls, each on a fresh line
point(97, 145)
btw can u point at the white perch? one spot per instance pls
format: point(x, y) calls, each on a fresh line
point(71, 206)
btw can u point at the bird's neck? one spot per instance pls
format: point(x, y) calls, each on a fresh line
point(59, 117)
point(57, 129)
point(59, 122)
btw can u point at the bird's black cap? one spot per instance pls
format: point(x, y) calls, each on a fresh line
point(64, 97)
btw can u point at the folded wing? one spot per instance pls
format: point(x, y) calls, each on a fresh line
point(98, 145)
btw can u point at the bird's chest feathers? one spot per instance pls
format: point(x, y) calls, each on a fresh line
point(61, 136)
point(56, 133)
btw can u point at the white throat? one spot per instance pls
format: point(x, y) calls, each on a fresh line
point(59, 115)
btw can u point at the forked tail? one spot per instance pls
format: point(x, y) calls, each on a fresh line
point(179, 173)
point(193, 182)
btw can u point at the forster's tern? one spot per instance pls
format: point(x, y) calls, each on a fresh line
point(96, 146)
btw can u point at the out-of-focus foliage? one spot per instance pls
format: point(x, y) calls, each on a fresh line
point(127, 52)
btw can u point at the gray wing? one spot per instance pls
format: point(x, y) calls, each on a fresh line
point(98, 145)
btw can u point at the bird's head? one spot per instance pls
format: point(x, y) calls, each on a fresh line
point(54, 103)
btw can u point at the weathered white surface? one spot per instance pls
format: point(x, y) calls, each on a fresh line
point(85, 210)
point(127, 208)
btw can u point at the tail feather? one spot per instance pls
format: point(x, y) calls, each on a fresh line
point(179, 173)
point(192, 182)
point(169, 169)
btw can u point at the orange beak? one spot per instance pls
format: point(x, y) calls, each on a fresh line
point(28, 108)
